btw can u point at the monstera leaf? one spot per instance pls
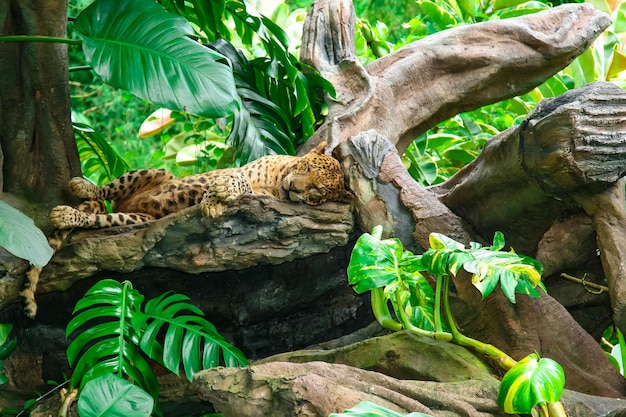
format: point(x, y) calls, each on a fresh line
point(174, 333)
point(138, 46)
point(103, 336)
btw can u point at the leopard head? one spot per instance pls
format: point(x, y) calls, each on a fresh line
point(315, 179)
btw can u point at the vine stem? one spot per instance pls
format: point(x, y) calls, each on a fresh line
point(34, 38)
point(492, 352)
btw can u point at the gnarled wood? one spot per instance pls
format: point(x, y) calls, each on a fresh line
point(386, 191)
point(285, 389)
point(257, 230)
point(412, 89)
point(529, 175)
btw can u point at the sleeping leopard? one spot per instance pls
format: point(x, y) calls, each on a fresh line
point(144, 195)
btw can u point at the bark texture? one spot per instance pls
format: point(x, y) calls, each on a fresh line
point(412, 89)
point(290, 389)
point(38, 152)
point(493, 320)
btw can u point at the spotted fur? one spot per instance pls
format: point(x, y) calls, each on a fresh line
point(148, 194)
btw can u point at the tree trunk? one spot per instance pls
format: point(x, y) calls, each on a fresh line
point(36, 140)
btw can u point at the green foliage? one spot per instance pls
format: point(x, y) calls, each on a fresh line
point(532, 381)
point(377, 263)
point(112, 396)
point(189, 339)
point(272, 85)
point(369, 409)
point(615, 347)
point(438, 15)
point(439, 153)
point(108, 345)
point(399, 277)
point(605, 60)
point(488, 266)
point(160, 46)
point(20, 236)
point(112, 333)
point(6, 347)
point(137, 46)
point(99, 160)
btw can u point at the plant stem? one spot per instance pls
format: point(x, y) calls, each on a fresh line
point(80, 68)
point(30, 38)
point(492, 352)
point(67, 402)
point(406, 322)
point(556, 409)
point(377, 232)
point(438, 324)
point(381, 310)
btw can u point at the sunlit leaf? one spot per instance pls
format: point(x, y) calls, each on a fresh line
point(156, 123)
point(112, 396)
point(442, 18)
point(374, 263)
point(97, 155)
point(532, 381)
point(503, 4)
point(138, 46)
point(618, 65)
point(488, 266)
point(20, 236)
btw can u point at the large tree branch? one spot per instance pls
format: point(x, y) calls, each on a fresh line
point(416, 87)
point(528, 175)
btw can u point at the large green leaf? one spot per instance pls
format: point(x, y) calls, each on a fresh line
point(374, 263)
point(174, 333)
point(6, 347)
point(392, 274)
point(20, 236)
point(532, 381)
point(138, 46)
point(104, 340)
point(112, 396)
point(369, 409)
point(260, 127)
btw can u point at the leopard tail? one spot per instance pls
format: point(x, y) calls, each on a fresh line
point(32, 275)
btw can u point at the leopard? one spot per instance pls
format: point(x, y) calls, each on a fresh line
point(141, 196)
point(144, 195)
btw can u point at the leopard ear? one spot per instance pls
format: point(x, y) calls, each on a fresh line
point(319, 149)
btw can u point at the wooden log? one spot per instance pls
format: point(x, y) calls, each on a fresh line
point(256, 230)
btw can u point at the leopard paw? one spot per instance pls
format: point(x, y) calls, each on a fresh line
point(211, 208)
point(227, 188)
point(84, 188)
point(66, 217)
